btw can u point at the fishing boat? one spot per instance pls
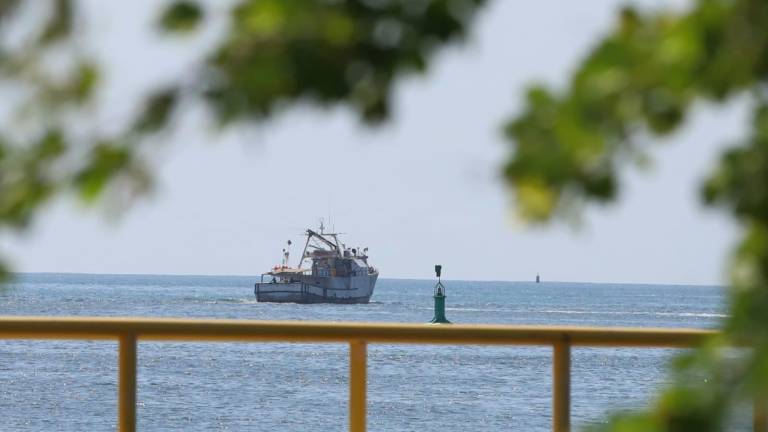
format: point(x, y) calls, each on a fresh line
point(337, 274)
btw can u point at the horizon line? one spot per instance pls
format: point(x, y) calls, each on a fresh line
point(387, 278)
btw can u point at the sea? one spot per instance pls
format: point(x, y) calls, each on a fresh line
point(52, 385)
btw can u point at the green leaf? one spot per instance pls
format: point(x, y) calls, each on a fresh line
point(157, 111)
point(7, 8)
point(107, 160)
point(85, 80)
point(5, 275)
point(59, 24)
point(181, 17)
point(50, 146)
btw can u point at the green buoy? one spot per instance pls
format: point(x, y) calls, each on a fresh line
point(439, 300)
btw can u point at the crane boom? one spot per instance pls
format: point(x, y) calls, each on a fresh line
point(330, 244)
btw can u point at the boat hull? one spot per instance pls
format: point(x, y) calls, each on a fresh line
point(342, 290)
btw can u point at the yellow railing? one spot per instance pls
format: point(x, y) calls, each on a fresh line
point(129, 330)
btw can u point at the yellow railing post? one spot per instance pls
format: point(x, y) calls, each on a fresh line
point(357, 386)
point(561, 389)
point(759, 416)
point(127, 384)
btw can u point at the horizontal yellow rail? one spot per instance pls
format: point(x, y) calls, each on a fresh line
point(128, 331)
point(312, 331)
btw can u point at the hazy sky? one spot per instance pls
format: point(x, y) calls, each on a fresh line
point(422, 190)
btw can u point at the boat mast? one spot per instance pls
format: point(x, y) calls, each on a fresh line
point(304, 252)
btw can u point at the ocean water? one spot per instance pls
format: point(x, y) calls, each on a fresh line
point(71, 385)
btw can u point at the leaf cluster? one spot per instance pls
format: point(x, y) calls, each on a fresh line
point(642, 80)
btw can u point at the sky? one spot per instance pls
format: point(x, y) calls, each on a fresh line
point(423, 189)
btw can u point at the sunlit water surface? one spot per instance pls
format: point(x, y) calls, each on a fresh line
point(71, 386)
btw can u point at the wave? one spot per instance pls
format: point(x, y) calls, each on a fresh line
point(583, 312)
point(208, 300)
point(670, 314)
point(476, 309)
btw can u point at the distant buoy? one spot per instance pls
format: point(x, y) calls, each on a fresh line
point(439, 296)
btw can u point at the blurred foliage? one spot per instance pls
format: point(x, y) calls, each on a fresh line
point(569, 144)
point(274, 53)
point(182, 17)
point(642, 80)
point(283, 51)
